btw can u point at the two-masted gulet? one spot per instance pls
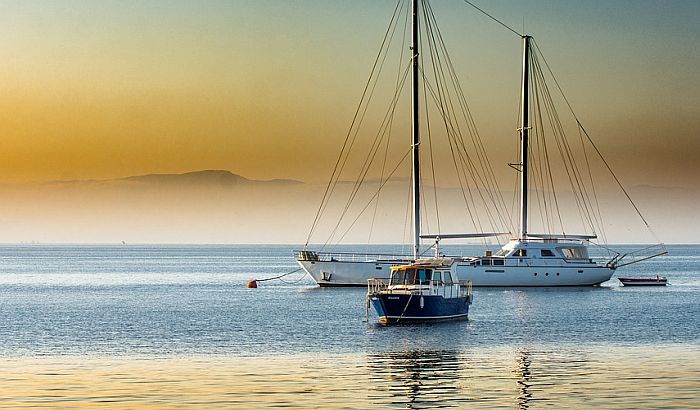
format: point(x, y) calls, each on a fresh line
point(528, 259)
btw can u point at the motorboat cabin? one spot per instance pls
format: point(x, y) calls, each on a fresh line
point(427, 290)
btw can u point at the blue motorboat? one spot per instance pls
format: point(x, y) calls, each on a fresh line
point(424, 291)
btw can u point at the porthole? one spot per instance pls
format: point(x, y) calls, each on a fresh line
point(535, 273)
point(557, 273)
point(546, 274)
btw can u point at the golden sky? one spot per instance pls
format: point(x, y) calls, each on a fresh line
point(267, 89)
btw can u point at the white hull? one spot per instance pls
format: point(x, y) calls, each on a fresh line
point(348, 273)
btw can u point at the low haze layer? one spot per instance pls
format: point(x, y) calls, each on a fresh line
point(222, 207)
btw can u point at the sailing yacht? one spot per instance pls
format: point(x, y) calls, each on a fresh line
point(527, 259)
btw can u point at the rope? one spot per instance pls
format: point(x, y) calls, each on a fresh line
point(280, 276)
point(600, 155)
point(493, 18)
point(376, 145)
point(405, 308)
point(427, 123)
point(444, 101)
point(372, 198)
point(303, 275)
point(336, 173)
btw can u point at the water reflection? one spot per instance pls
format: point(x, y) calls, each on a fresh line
point(415, 378)
point(605, 377)
point(523, 374)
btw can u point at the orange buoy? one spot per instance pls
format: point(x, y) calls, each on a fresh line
point(252, 284)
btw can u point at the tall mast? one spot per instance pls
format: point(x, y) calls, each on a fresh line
point(415, 130)
point(524, 136)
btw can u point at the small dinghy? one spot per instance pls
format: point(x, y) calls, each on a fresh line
point(427, 290)
point(657, 281)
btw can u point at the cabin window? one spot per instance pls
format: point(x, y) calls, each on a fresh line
point(574, 253)
point(448, 278)
point(436, 277)
point(546, 252)
point(399, 277)
point(520, 252)
point(423, 275)
point(486, 262)
point(499, 262)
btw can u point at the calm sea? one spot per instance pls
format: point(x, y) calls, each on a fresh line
point(174, 326)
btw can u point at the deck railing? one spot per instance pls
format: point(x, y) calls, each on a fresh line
point(350, 256)
point(375, 285)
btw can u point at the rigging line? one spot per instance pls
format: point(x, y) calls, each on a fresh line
point(519, 158)
point(408, 216)
point(347, 136)
point(476, 222)
point(579, 188)
point(570, 177)
point(593, 143)
point(424, 212)
point(515, 185)
point(585, 198)
point(376, 193)
point(489, 176)
point(443, 101)
point(439, 102)
point(391, 122)
point(547, 168)
point(538, 166)
point(467, 169)
point(453, 129)
point(493, 18)
point(372, 154)
point(564, 148)
point(404, 238)
point(360, 178)
point(546, 179)
point(613, 174)
point(425, 220)
point(471, 125)
point(427, 122)
point(381, 177)
point(384, 127)
point(538, 181)
point(546, 157)
point(595, 194)
point(480, 184)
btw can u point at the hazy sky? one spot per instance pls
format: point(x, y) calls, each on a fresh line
point(267, 89)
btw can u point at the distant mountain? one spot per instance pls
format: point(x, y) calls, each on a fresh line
point(218, 177)
point(198, 178)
